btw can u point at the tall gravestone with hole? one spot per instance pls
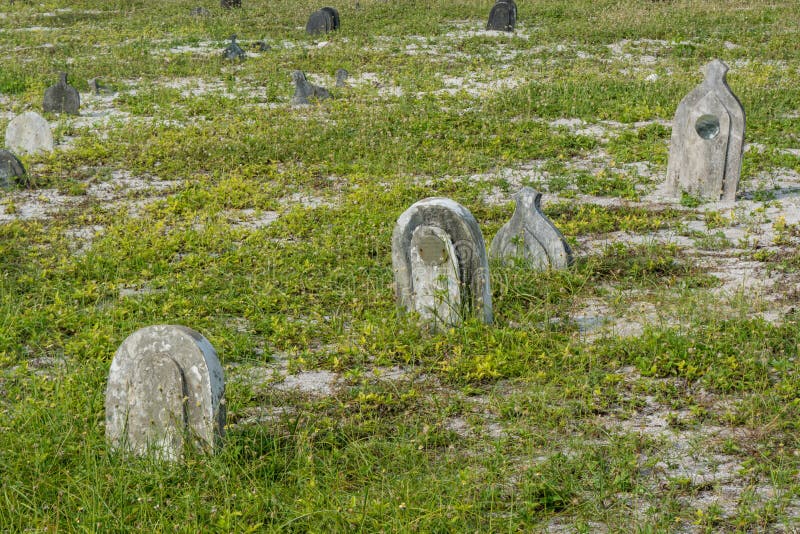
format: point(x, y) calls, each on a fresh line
point(323, 21)
point(705, 154)
point(165, 390)
point(29, 133)
point(531, 236)
point(440, 265)
point(503, 16)
point(62, 97)
point(11, 168)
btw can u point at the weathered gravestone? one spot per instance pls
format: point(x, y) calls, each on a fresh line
point(29, 133)
point(10, 168)
point(531, 236)
point(165, 389)
point(323, 21)
point(234, 51)
point(705, 153)
point(200, 12)
point(440, 266)
point(303, 90)
point(61, 97)
point(503, 16)
point(227, 4)
point(341, 77)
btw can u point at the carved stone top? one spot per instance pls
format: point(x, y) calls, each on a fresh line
point(233, 51)
point(303, 90)
point(62, 97)
point(705, 156)
point(531, 236)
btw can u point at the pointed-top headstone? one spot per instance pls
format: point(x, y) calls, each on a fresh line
point(165, 390)
point(29, 133)
point(11, 168)
point(705, 154)
point(62, 97)
point(531, 236)
point(503, 16)
point(440, 266)
point(234, 51)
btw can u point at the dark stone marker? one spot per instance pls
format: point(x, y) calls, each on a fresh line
point(503, 16)
point(234, 51)
point(10, 168)
point(227, 4)
point(62, 97)
point(334, 17)
point(303, 90)
point(323, 21)
point(341, 76)
point(262, 46)
point(200, 12)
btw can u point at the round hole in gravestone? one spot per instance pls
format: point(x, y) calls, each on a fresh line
point(432, 249)
point(707, 126)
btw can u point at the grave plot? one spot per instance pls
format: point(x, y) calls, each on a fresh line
point(634, 368)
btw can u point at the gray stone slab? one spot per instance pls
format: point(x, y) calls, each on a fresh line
point(531, 236)
point(705, 155)
point(61, 97)
point(11, 168)
point(228, 4)
point(165, 386)
point(304, 90)
point(233, 51)
point(334, 17)
point(320, 21)
point(29, 133)
point(503, 16)
point(450, 245)
point(341, 77)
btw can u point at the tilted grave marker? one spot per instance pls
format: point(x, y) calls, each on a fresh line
point(61, 97)
point(441, 270)
point(303, 90)
point(705, 154)
point(165, 387)
point(503, 16)
point(531, 236)
point(10, 168)
point(29, 133)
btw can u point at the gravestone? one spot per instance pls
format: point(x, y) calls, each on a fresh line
point(165, 390)
point(323, 21)
point(341, 77)
point(227, 4)
point(234, 51)
point(61, 97)
point(531, 236)
point(200, 12)
point(705, 153)
point(10, 168)
point(303, 90)
point(440, 266)
point(262, 45)
point(503, 16)
point(29, 133)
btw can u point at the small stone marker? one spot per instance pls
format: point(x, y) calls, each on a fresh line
point(531, 236)
point(705, 153)
point(262, 45)
point(200, 12)
point(61, 97)
point(29, 133)
point(10, 168)
point(323, 21)
point(165, 386)
point(341, 77)
point(303, 90)
point(440, 266)
point(234, 51)
point(227, 4)
point(503, 16)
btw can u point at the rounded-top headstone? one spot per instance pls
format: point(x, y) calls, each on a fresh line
point(334, 17)
point(10, 168)
point(322, 21)
point(503, 16)
point(61, 97)
point(227, 4)
point(29, 133)
point(165, 386)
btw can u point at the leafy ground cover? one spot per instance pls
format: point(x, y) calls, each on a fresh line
point(651, 387)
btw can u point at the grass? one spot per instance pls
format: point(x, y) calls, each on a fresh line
point(536, 423)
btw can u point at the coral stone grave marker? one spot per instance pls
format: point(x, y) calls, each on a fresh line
point(303, 90)
point(234, 51)
point(503, 16)
point(440, 265)
point(29, 133)
point(531, 236)
point(228, 4)
point(10, 168)
point(322, 21)
point(705, 154)
point(165, 387)
point(61, 97)
point(341, 77)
